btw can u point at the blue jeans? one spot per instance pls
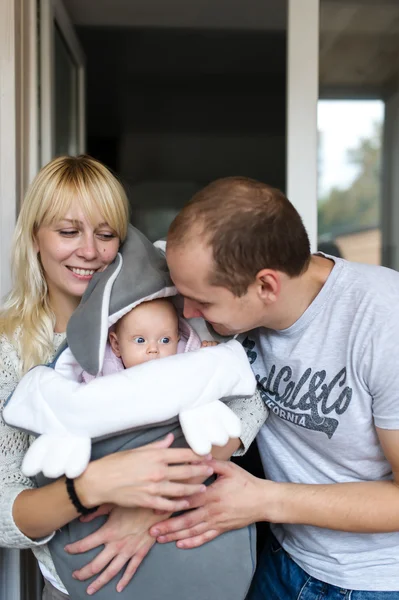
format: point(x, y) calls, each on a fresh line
point(278, 577)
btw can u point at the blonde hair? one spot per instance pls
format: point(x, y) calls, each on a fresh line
point(26, 317)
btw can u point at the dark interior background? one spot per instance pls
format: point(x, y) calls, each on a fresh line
point(170, 110)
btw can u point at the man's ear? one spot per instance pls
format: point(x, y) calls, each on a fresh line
point(268, 284)
point(113, 340)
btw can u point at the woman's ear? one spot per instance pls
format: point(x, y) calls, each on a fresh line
point(268, 285)
point(35, 244)
point(113, 340)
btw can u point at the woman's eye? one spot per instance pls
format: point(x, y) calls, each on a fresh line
point(165, 340)
point(68, 232)
point(139, 340)
point(106, 236)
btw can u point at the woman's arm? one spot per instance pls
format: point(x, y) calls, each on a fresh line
point(39, 512)
point(13, 483)
point(13, 445)
point(152, 476)
point(252, 413)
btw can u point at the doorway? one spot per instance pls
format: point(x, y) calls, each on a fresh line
point(175, 101)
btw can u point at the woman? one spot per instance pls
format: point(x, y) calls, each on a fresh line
point(73, 219)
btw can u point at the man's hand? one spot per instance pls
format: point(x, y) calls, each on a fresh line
point(126, 540)
point(235, 500)
point(209, 344)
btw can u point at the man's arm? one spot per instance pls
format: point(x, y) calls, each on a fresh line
point(367, 507)
point(237, 499)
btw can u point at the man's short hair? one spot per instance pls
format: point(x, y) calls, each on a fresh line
point(249, 226)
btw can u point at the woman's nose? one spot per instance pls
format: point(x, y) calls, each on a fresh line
point(88, 248)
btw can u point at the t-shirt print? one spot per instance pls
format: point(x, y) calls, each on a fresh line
point(311, 400)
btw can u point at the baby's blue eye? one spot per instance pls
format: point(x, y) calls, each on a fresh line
point(139, 340)
point(165, 340)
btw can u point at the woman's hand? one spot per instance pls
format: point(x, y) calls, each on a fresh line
point(151, 477)
point(126, 542)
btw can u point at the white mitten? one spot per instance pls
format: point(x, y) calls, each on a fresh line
point(57, 454)
point(209, 425)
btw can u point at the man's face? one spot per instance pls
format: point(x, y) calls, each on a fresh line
point(190, 267)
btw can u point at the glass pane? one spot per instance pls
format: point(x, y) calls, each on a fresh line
point(349, 191)
point(66, 99)
point(359, 60)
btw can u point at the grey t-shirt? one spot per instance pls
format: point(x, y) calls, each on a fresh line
point(328, 380)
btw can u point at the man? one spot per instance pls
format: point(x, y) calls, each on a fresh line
point(322, 339)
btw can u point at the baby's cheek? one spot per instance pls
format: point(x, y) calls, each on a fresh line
point(171, 349)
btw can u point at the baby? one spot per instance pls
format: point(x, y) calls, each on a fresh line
point(149, 331)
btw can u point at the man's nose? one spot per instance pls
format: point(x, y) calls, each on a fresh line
point(189, 310)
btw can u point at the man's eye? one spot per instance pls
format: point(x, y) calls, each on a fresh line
point(165, 340)
point(139, 340)
point(204, 304)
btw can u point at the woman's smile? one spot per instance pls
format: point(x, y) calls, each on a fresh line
point(81, 273)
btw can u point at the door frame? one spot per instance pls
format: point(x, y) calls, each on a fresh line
point(302, 99)
point(18, 123)
point(53, 14)
point(23, 128)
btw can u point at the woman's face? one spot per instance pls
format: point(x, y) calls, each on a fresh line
point(71, 251)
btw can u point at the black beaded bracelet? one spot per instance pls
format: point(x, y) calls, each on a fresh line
point(70, 486)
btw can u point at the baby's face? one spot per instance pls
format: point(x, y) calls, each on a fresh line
point(148, 332)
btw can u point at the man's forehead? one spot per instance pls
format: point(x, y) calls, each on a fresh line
point(189, 273)
point(192, 246)
point(189, 259)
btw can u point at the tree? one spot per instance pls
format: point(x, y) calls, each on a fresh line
point(357, 206)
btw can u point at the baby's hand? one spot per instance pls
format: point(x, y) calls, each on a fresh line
point(206, 344)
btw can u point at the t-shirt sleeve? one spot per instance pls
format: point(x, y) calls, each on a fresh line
point(381, 371)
